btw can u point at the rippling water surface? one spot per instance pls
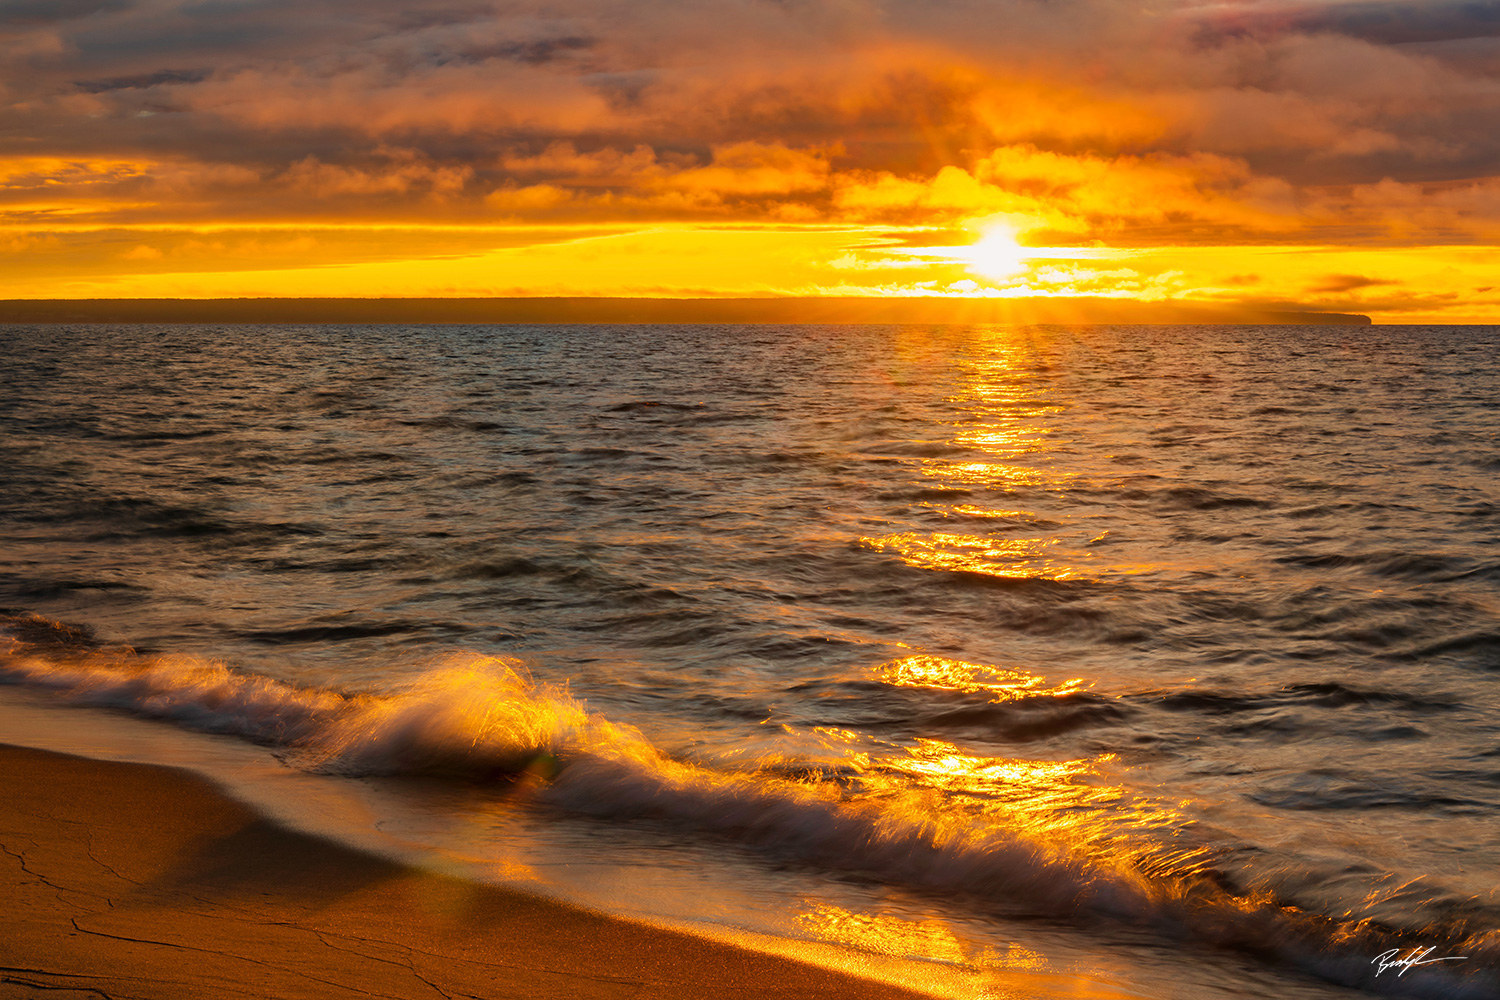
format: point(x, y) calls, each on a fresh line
point(1162, 660)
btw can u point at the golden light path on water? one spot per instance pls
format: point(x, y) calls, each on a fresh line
point(1009, 420)
point(1074, 808)
point(1075, 813)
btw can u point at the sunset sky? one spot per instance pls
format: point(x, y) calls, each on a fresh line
point(1321, 154)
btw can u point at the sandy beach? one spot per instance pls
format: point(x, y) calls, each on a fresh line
point(134, 881)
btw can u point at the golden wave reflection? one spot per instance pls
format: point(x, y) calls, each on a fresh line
point(1005, 438)
point(884, 935)
point(1001, 684)
point(974, 510)
point(992, 474)
point(1007, 558)
point(945, 767)
point(1066, 808)
point(930, 940)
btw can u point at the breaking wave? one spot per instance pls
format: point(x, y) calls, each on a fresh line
point(1044, 838)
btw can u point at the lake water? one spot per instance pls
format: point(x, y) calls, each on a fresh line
point(1139, 661)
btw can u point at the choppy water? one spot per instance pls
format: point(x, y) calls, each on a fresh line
point(1166, 658)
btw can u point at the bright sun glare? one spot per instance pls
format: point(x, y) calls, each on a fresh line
point(996, 255)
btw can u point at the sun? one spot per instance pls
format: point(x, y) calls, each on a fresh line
point(996, 255)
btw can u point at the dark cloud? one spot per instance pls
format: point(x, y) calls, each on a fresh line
point(533, 53)
point(1382, 21)
point(142, 81)
point(18, 12)
point(1339, 283)
point(437, 17)
point(1389, 22)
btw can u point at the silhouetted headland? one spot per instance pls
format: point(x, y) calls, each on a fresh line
point(633, 310)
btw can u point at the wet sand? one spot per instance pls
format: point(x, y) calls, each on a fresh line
point(131, 881)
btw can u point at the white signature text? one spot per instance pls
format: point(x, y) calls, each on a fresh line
point(1392, 960)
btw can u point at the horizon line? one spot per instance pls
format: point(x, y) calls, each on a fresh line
point(824, 310)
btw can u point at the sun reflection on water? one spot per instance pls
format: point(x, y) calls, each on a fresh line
point(990, 474)
point(1008, 558)
point(884, 935)
point(973, 678)
point(988, 783)
point(1075, 811)
point(975, 510)
point(929, 940)
point(1005, 452)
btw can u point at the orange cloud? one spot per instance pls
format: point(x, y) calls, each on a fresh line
point(406, 172)
point(1084, 194)
point(750, 169)
point(562, 159)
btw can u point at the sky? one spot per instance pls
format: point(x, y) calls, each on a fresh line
point(1314, 154)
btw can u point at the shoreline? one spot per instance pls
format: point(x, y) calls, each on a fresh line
point(136, 880)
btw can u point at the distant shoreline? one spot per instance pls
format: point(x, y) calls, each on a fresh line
point(631, 310)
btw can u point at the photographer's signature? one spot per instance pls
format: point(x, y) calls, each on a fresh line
point(1392, 960)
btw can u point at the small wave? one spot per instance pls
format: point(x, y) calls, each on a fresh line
point(350, 630)
point(336, 456)
point(1481, 508)
point(449, 422)
point(926, 694)
point(1028, 719)
point(1484, 646)
point(1423, 566)
point(148, 436)
point(499, 569)
point(111, 517)
point(1197, 498)
point(1324, 789)
point(55, 588)
point(912, 494)
point(917, 449)
point(1488, 572)
point(602, 454)
point(1327, 694)
point(199, 694)
point(647, 405)
point(1316, 510)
